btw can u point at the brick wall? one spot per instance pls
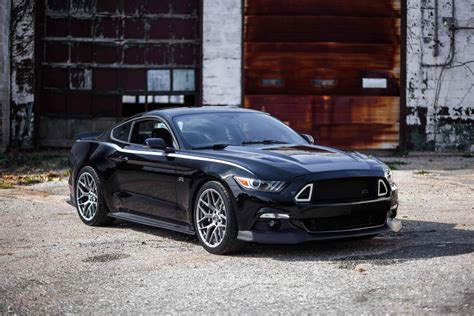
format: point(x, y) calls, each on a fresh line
point(4, 74)
point(440, 79)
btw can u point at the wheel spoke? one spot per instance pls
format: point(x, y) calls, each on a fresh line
point(203, 211)
point(208, 233)
point(207, 216)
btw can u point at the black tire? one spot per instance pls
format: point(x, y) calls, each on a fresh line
point(100, 218)
point(230, 243)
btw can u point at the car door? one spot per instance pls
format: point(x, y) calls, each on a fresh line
point(147, 177)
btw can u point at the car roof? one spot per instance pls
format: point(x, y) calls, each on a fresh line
point(177, 111)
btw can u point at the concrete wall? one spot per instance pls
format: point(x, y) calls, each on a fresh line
point(440, 89)
point(4, 74)
point(222, 52)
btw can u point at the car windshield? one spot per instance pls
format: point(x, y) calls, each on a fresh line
point(217, 130)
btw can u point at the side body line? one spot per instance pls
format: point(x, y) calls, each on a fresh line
point(175, 155)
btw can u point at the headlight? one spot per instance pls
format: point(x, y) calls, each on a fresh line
point(389, 177)
point(260, 185)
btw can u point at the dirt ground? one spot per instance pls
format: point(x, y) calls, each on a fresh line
point(52, 263)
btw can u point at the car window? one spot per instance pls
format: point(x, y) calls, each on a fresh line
point(142, 130)
point(207, 129)
point(122, 132)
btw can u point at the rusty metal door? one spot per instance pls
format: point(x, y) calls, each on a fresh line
point(114, 58)
point(330, 68)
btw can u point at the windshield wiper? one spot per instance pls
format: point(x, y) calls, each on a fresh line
point(265, 142)
point(215, 146)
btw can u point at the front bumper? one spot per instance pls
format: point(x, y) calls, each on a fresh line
point(301, 222)
point(294, 235)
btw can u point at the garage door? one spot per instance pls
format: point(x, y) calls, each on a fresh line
point(330, 68)
point(111, 58)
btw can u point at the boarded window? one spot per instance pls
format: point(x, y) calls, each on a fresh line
point(80, 79)
point(183, 80)
point(159, 80)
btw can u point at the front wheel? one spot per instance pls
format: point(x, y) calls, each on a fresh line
point(215, 221)
point(90, 201)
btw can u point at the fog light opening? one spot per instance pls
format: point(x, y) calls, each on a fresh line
point(273, 224)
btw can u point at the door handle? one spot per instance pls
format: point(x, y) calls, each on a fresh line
point(119, 159)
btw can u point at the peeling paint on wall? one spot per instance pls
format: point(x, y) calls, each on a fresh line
point(222, 49)
point(22, 73)
point(4, 74)
point(440, 75)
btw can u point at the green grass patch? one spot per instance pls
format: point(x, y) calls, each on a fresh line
point(29, 180)
point(422, 172)
point(394, 165)
point(5, 186)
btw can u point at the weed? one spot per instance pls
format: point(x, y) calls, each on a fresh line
point(28, 180)
point(422, 172)
point(5, 186)
point(395, 164)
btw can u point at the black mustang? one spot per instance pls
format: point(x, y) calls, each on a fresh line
point(229, 176)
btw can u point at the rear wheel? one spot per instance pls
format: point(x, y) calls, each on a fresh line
point(90, 201)
point(215, 221)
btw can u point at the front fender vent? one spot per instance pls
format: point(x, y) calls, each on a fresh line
point(305, 194)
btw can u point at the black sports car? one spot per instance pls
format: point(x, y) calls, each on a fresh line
point(229, 176)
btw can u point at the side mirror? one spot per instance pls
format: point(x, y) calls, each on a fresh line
point(156, 143)
point(159, 143)
point(308, 138)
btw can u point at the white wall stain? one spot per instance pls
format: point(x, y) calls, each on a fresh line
point(22, 73)
point(4, 74)
point(222, 51)
point(444, 94)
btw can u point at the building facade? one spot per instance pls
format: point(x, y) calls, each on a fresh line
point(366, 74)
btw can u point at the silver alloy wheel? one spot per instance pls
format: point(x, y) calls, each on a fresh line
point(211, 218)
point(86, 196)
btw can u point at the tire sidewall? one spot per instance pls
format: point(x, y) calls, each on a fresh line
point(231, 222)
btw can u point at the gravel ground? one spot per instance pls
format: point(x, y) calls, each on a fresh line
point(52, 263)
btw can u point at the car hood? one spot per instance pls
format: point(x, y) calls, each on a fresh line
point(289, 160)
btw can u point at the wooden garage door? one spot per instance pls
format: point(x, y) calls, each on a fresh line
point(329, 68)
point(114, 58)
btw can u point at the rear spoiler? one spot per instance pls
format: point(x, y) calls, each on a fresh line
point(87, 135)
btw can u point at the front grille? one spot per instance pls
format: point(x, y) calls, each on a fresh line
point(345, 190)
point(360, 216)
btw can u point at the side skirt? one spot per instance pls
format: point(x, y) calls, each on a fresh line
point(145, 220)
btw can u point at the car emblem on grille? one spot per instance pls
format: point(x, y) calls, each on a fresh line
point(364, 192)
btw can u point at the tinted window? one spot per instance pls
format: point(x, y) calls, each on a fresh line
point(143, 130)
point(207, 129)
point(122, 132)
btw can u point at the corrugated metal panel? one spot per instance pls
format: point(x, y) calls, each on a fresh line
point(94, 53)
point(306, 61)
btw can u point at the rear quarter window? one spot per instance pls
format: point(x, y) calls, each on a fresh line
point(122, 132)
